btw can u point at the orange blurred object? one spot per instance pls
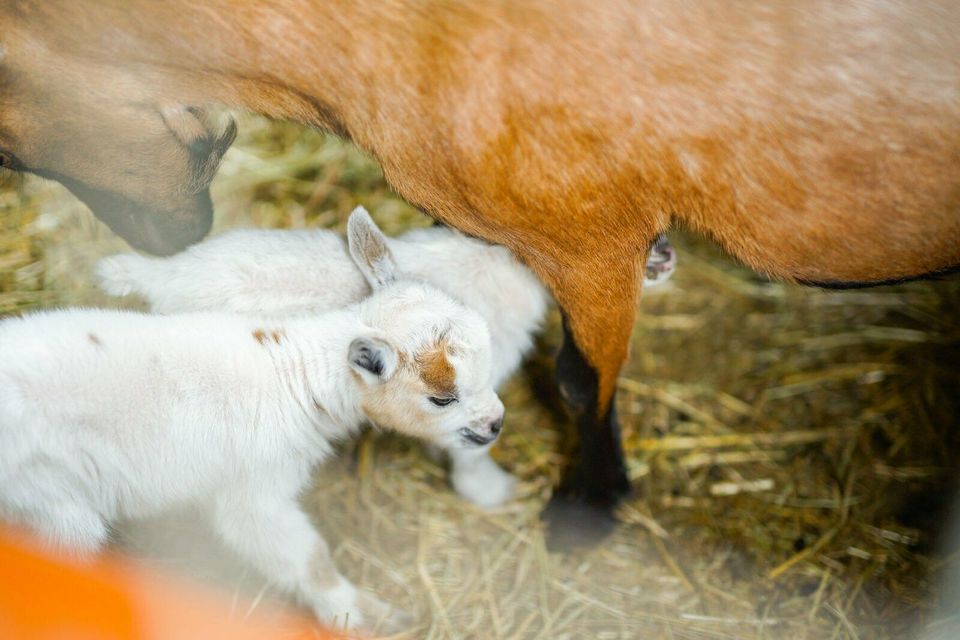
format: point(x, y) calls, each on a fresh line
point(110, 598)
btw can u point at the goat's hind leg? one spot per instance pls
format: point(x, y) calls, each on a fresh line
point(269, 530)
point(50, 505)
point(75, 528)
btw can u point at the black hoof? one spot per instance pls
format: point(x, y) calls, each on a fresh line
point(573, 523)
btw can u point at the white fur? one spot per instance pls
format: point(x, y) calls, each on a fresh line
point(475, 476)
point(110, 414)
point(286, 273)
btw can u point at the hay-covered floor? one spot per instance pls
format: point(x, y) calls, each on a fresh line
point(793, 449)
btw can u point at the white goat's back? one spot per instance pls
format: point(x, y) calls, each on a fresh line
point(250, 271)
point(284, 273)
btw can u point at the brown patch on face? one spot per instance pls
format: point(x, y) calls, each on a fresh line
point(395, 406)
point(94, 339)
point(436, 371)
point(277, 335)
point(260, 336)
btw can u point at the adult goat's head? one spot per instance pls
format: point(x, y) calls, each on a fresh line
point(108, 132)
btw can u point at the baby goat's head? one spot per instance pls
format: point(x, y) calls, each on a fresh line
point(424, 368)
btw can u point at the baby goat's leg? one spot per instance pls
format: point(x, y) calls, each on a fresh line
point(477, 478)
point(48, 501)
point(71, 528)
point(267, 528)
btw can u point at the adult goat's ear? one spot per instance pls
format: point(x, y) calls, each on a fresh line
point(375, 360)
point(206, 135)
point(368, 248)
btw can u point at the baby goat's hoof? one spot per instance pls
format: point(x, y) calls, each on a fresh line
point(483, 483)
point(382, 618)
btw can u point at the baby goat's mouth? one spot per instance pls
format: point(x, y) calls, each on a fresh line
point(471, 436)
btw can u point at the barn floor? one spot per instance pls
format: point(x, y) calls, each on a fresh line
point(794, 450)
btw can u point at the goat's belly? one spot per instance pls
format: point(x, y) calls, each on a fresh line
point(878, 253)
point(856, 244)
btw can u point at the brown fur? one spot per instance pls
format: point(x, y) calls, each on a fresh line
point(428, 373)
point(274, 335)
point(436, 371)
point(814, 140)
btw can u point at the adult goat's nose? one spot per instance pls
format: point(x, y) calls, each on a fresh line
point(496, 425)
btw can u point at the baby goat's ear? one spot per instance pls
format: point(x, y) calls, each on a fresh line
point(368, 248)
point(374, 359)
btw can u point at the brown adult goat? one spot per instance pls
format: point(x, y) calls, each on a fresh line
point(816, 141)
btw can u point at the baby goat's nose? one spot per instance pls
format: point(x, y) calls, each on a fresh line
point(496, 425)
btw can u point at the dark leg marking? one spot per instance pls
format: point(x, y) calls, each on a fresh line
point(581, 509)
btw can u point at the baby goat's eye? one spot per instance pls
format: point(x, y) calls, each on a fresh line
point(442, 402)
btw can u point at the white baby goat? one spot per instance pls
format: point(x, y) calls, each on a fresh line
point(111, 414)
point(287, 273)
